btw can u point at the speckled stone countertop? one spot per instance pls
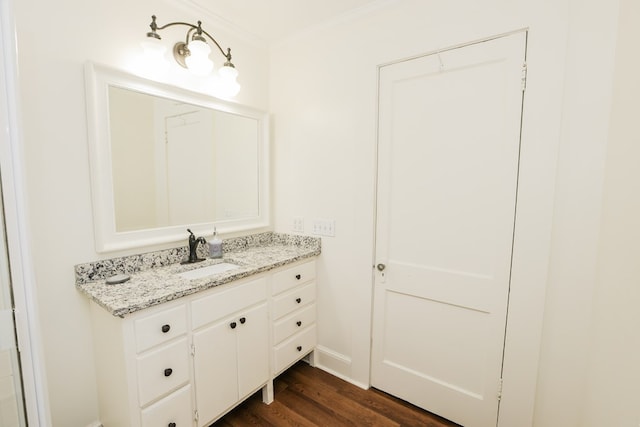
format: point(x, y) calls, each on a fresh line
point(153, 275)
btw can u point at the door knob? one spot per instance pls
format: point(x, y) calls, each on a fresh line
point(381, 267)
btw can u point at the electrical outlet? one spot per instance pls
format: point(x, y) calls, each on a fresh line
point(298, 224)
point(324, 227)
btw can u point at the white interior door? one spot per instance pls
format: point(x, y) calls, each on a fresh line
point(449, 138)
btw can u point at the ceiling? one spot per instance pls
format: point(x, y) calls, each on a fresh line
point(274, 20)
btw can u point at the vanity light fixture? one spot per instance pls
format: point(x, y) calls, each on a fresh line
point(193, 53)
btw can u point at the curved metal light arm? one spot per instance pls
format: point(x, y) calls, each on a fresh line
point(198, 28)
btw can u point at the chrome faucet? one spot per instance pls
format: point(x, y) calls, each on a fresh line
point(193, 246)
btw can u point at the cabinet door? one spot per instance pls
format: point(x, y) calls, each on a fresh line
point(253, 349)
point(215, 365)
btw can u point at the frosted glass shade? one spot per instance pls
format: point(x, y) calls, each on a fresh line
point(228, 73)
point(154, 49)
point(198, 61)
point(230, 86)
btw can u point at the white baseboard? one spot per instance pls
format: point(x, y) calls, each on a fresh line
point(336, 364)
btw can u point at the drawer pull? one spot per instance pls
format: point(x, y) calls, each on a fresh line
point(299, 323)
point(166, 328)
point(171, 425)
point(233, 325)
point(243, 320)
point(298, 300)
point(168, 372)
point(299, 348)
point(298, 276)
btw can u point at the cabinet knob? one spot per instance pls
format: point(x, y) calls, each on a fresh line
point(168, 372)
point(298, 276)
point(299, 348)
point(243, 320)
point(166, 328)
point(298, 300)
point(171, 425)
point(233, 325)
point(299, 323)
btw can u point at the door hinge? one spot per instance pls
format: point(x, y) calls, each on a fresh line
point(524, 76)
point(196, 416)
point(193, 350)
point(500, 389)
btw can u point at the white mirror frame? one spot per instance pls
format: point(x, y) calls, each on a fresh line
point(98, 79)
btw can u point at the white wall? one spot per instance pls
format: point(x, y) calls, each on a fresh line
point(54, 40)
point(578, 203)
point(324, 129)
point(613, 381)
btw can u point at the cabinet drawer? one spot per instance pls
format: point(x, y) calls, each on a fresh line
point(293, 349)
point(174, 410)
point(163, 370)
point(294, 322)
point(221, 304)
point(294, 299)
point(160, 327)
point(293, 276)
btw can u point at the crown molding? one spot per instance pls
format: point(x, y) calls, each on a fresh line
point(211, 19)
point(343, 18)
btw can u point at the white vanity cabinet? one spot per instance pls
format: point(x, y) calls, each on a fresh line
point(187, 362)
point(143, 367)
point(231, 347)
point(293, 311)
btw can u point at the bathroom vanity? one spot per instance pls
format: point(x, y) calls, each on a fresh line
point(172, 351)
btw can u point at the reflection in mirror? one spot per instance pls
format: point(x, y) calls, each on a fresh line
point(175, 163)
point(163, 158)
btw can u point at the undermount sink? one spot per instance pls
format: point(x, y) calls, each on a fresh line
point(210, 270)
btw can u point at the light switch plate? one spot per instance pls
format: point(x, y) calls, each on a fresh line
point(324, 227)
point(298, 224)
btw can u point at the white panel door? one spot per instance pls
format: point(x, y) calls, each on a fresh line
point(449, 138)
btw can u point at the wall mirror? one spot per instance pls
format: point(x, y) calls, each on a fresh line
point(164, 159)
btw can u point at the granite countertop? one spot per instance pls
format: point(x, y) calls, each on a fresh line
point(153, 275)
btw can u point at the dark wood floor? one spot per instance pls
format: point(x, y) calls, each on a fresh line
point(306, 396)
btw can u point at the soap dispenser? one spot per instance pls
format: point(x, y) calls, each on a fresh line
point(215, 245)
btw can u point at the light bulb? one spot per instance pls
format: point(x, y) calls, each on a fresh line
point(198, 60)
